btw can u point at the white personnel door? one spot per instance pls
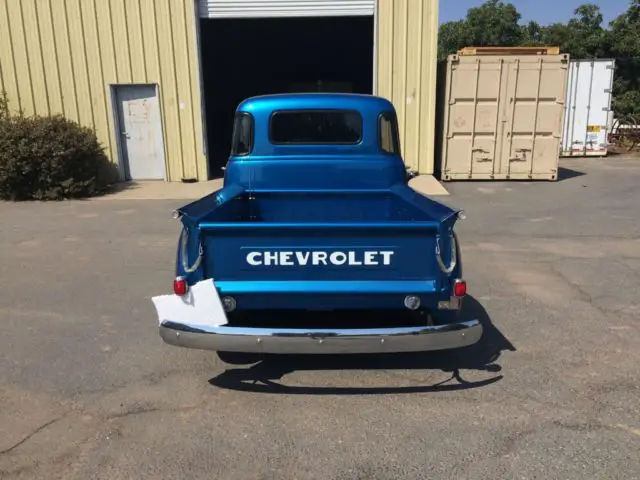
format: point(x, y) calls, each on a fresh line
point(140, 129)
point(285, 8)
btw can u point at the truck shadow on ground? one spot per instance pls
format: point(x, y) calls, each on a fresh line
point(264, 377)
point(565, 173)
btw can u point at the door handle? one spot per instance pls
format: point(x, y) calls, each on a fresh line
point(523, 158)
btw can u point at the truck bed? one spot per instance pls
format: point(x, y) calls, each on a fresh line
point(306, 207)
point(236, 205)
point(320, 249)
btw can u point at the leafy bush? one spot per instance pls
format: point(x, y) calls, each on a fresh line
point(50, 158)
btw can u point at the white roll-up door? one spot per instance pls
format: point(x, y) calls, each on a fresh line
point(284, 8)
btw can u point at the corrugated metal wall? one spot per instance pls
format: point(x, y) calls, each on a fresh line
point(407, 49)
point(60, 56)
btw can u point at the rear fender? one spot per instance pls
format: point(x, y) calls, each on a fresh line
point(438, 211)
point(207, 206)
point(190, 215)
point(447, 218)
point(190, 253)
point(446, 239)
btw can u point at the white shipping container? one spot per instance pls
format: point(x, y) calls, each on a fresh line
point(587, 109)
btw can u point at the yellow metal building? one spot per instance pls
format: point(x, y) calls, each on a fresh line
point(92, 59)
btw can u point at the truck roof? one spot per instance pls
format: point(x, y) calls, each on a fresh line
point(302, 101)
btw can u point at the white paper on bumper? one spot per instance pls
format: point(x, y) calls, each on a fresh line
point(201, 306)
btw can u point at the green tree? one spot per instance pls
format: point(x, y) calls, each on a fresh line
point(496, 23)
point(532, 34)
point(623, 39)
point(583, 36)
point(492, 23)
point(452, 37)
point(557, 34)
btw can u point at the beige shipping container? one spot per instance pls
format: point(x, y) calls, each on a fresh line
point(502, 116)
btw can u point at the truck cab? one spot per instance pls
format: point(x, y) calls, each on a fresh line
point(316, 243)
point(315, 141)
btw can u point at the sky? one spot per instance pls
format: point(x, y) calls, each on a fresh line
point(543, 11)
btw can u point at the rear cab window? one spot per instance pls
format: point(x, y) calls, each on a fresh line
point(315, 127)
point(388, 133)
point(242, 141)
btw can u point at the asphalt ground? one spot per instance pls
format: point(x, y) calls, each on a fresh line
point(89, 391)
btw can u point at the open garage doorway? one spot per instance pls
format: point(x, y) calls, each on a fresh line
point(245, 57)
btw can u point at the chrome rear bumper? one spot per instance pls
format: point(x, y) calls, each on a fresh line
point(335, 341)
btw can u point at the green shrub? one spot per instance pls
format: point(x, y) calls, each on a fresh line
point(4, 105)
point(50, 158)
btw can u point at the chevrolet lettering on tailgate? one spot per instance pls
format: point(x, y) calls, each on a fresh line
point(316, 258)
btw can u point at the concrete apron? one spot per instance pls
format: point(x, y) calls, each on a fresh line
point(159, 190)
point(428, 185)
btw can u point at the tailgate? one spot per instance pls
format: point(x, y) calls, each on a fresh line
point(342, 259)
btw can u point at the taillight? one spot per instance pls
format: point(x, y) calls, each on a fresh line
point(180, 286)
point(459, 288)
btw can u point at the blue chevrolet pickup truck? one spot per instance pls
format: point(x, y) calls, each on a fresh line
point(316, 243)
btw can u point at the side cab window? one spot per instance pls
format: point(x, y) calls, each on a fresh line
point(242, 142)
point(388, 133)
